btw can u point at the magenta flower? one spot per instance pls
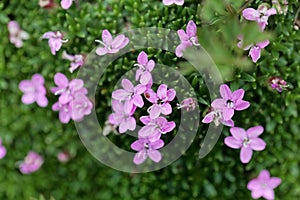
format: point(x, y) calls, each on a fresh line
point(76, 60)
point(130, 94)
point(155, 127)
point(216, 116)
point(66, 4)
point(145, 66)
point(65, 111)
point(187, 104)
point(170, 2)
point(55, 40)
point(31, 163)
point(146, 149)
point(67, 89)
point(122, 116)
point(81, 106)
point(188, 38)
point(263, 185)
point(2, 150)
point(16, 34)
point(160, 101)
point(255, 50)
point(278, 84)
point(230, 101)
point(34, 91)
point(111, 45)
point(63, 156)
point(261, 15)
point(247, 141)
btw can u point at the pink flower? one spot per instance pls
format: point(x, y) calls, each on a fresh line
point(230, 102)
point(155, 127)
point(130, 94)
point(63, 156)
point(216, 116)
point(34, 91)
point(247, 141)
point(160, 101)
point(146, 149)
point(188, 38)
point(65, 111)
point(263, 185)
point(31, 163)
point(81, 106)
point(188, 104)
point(261, 15)
point(16, 34)
point(46, 3)
point(66, 4)
point(255, 50)
point(278, 84)
point(111, 45)
point(55, 40)
point(122, 116)
point(2, 150)
point(143, 74)
point(170, 2)
point(76, 60)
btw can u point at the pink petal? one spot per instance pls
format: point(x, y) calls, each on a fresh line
point(246, 155)
point(171, 93)
point(274, 182)
point(145, 119)
point(123, 127)
point(151, 96)
point(255, 131)
point(76, 84)
point(232, 142)
point(157, 144)
point(140, 89)
point(64, 117)
point(257, 193)
point(42, 101)
point(28, 98)
point(228, 113)
point(140, 157)
point(241, 105)
point(168, 127)
point(131, 123)
point(191, 29)
point(154, 111)
point(218, 103)
point(251, 14)
point(238, 94)
point(48, 35)
point(145, 78)
point(61, 80)
point(255, 53)
point(238, 133)
point(229, 123)
point(257, 144)
point(142, 58)
point(118, 41)
point(66, 4)
point(208, 118)
point(168, 2)
point(179, 2)
point(147, 131)
point(138, 101)
point(65, 98)
point(127, 85)
point(263, 44)
point(166, 109)
point(271, 11)
point(150, 65)
point(162, 91)
point(120, 94)
point(181, 47)
point(225, 92)
point(253, 184)
point(264, 175)
point(100, 51)
point(106, 37)
point(2, 152)
point(37, 79)
point(26, 86)
point(137, 145)
point(154, 155)
point(268, 193)
point(117, 106)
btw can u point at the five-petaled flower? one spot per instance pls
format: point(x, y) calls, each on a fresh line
point(160, 101)
point(263, 185)
point(145, 149)
point(261, 15)
point(255, 50)
point(2, 150)
point(55, 40)
point(216, 116)
point(66, 4)
point(81, 106)
point(31, 163)
point(16, 34)
point(155, 127)
point(111, 45)
point(187, 39)
point(247, 141)
point(76, 60)
point(122, 116)
point(145, 66)
point(34, 91)
point(230, 101)
point(170, 2)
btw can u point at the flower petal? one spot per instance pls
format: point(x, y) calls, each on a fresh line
point(118, 41)
point(238, 133)
point(162, 91)
point(154, 155)
point(138, 101)
point(241, 105)
point(145, 78)
point(61, 80)
point(268, 193)
point(120, 94)
point(154, 111)
point(191, 29)
point(168, 127)
point(140, 157)
point(251, 14)
point(246, 155)
point(263, 44)
point(42, 101)
point(255, 131)
point(100, 51)
point(208, 118)
point(137, 145)
point(166, 109)
point(238, 95)
point(228, 113)
point(147, 131)
point(106, 37)
point(225, 92)
point(66, 4)
point(28, 98)
point(274, 182)
point(232, 142)
point(254, 53)
point(142, 58)
point(218, 103)
point(271, 11)
point(127, 85)
point(257, 144)
point(171, 93)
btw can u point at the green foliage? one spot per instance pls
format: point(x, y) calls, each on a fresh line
point(220, 175)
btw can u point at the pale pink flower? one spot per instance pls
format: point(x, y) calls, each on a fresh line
point(278, 84)
point(76, 60)
point(187, 104)
point(2, 150)
point(216, 116)
point(63, 156)
point(170, 2)
point(31, 163)
point(145, 66)
point(16, 34)
point(81, 106)
point(263, 185)
point(55, 40)
point(65, 111)
point(66, 4)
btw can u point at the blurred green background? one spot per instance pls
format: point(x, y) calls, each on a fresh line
point(220, 175)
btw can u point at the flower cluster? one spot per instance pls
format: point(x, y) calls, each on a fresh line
point(55, 40)
point(16, 34)
point(72, 102)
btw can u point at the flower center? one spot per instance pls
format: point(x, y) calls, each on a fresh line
point(246, 142)
point(194, 41)
point(146, 145)
point(230, 104)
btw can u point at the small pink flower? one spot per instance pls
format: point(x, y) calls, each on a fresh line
point(216, 116)
point(188, 104)
point(187, 39)
point(34, 91)
point(65, 111)
point(261, 15)
point(76, 60)
point(278, 84)
point(145, 66)
point(111, 45)
point(46, 3)
point(263, 185)
point(55, 40)
point(2, 150)
point(81, 106)
point(63, 156)
point(247, 141)
point(66, 4)
point(16, 34)
point(146, 149)
point(161, 101)
point(230, 102)
point(170, 2)
point(31, 163)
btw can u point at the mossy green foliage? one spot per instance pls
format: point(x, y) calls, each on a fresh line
point(220, 175)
